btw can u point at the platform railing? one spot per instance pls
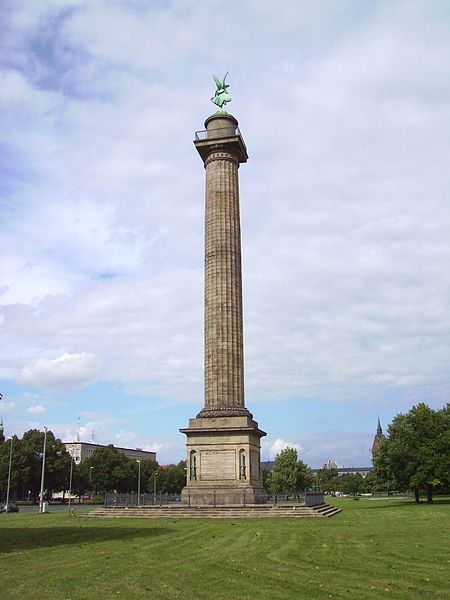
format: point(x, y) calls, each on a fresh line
point(203, 134)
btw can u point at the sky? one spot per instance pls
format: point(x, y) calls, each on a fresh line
point(344, 108)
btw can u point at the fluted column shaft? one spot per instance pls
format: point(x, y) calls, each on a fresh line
point(224, 353)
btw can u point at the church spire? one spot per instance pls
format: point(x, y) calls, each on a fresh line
point(379, 430)
point(376, 440)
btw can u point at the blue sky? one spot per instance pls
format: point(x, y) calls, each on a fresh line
point(344, 206)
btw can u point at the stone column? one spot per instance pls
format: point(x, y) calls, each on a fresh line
point(224, 353)
point(223, 442)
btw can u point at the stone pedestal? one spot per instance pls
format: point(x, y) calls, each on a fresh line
point(223, 462)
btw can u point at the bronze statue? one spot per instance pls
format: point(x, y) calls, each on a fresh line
point(221, 97)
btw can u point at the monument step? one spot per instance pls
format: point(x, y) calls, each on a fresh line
point(205, 512)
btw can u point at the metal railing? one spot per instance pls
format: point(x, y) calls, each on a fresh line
point(132, 500)
point(226, 131)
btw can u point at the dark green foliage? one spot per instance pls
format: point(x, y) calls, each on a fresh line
point(352, 483)
point(416, 452)
point(26, 465)
point(172, 478)
point(328, 480)
point(111, 470)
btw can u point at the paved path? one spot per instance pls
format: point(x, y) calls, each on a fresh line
point(52, 508)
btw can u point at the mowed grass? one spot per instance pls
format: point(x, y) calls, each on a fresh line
point(373, 549)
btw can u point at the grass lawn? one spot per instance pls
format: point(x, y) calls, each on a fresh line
point(373, 549)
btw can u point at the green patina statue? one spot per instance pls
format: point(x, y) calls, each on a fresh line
point(221, 97)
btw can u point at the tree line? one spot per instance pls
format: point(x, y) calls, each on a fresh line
point(414, 456)
point(105, 470)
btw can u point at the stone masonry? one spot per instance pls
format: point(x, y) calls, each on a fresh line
point(224, 347)
point(223, 441)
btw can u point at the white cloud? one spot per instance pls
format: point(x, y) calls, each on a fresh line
point(272, 448)
point(344, 209)
point(36, 409)
point(7, 407)
point(67, 372)
point(126, 438)
point(348, 449)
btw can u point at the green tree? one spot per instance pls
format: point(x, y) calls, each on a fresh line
point(82, 479)
point(266, 479)
point(416, 452)
point(283, 477)
point(57, 463)
point(372, 483)
point(328, 480)
point(305, 477)
point(148, 470)
point(111, 470)
point(172, 478)
point(19, 470)
point(352, 483)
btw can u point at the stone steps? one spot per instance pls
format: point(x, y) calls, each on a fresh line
point(218, 512)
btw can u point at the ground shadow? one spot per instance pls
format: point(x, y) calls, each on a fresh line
point(376, 503)
point(17, 539)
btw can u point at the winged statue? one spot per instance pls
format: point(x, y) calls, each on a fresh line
point(221, 97)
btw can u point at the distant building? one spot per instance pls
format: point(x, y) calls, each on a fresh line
point(329, 464)
point(269, 464)
point(363, 471)
point(376, 440)
point(82, 450)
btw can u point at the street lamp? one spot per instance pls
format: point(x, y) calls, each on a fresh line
point(139, 482)
point(70, 479)
point(154, 486)
point(41, 501)
point(90, 481)
point(9, 475)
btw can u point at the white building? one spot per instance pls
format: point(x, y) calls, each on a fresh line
point(330, 464)
point(82, 450)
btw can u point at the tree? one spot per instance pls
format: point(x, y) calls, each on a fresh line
point(288, 474)
point(81, 476)
point(172, 478)
point(416, 452)
point(148, 470)
point(328, 480)
point(18, 468)
point(111, 470)
point(57, 463)
point(266, 479)
point(352, 483)
point(305, 477)
point(284, 473)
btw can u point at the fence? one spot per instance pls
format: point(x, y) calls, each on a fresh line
point(112, 499)
point(131, 500)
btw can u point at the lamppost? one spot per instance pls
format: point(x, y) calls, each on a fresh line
point(9, 475)
point(90, 481)
point(70, 479)
point(139, 482)
point(154, 486)
point(41, 500)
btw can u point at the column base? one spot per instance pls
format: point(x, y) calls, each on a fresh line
point(224, 411)
point(223, 496)
point(223, 462)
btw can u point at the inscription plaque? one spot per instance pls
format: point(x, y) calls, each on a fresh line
point(217, 464)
